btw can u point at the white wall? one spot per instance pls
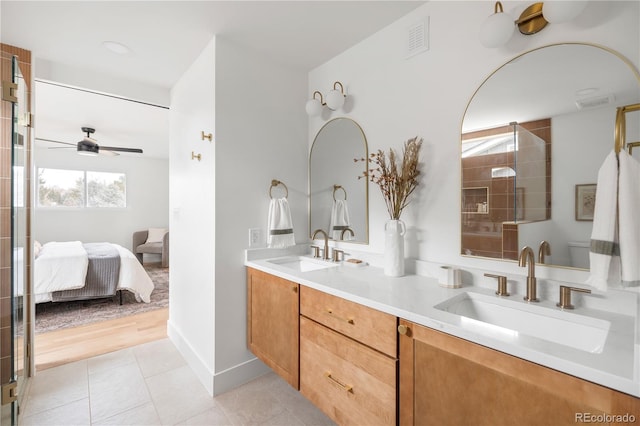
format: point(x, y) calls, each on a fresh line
point(147, 200)
point(255, 109)
point(260, 136)
point(396, 98)
point(192, 216)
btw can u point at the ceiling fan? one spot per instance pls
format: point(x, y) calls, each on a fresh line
point(89, 146)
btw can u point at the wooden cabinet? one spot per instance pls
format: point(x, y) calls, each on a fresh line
point(348, 359)
point(444, 380)
point(273, 323)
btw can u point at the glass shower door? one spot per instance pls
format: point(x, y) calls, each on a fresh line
point(19, 203)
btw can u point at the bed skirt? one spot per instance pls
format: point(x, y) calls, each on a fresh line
point(103, 272)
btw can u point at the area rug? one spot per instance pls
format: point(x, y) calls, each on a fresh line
point(55, 316)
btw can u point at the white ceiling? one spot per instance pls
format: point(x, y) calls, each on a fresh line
point(165, 37)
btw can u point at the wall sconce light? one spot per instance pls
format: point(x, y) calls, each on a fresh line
point(335, 100)
point(498, 28)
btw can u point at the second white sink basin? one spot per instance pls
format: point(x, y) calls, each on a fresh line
point(498, 316)
point(302, 263)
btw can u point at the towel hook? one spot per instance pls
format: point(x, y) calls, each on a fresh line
point(620, 128)
point(275, 182)
point(335, 188)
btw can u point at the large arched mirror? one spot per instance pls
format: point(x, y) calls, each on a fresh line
point(558, 102)
point(338, 194)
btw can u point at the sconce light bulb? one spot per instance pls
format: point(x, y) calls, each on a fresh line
point(313, 107)
point(335, 99)
point(496, 30)
point(557, 12)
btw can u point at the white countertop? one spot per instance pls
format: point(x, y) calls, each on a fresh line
point(413, 298)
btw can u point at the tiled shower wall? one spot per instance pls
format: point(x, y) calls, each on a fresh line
point(24, 58)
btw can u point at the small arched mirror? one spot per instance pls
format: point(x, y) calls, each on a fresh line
point(566, 95)
point(338, 192)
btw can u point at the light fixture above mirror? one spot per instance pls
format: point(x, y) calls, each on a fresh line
point(335, 100)
point(499, 27)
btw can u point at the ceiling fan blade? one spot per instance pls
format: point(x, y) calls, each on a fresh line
point(107, 153)
point(51, 140)
point(115, 148)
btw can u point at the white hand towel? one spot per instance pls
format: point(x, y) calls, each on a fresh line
point(339, 219)
point(629, 215)
point(279, 224)
point(604, 244)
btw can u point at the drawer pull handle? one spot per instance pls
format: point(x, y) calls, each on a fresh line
point(347, 320)
point(347, 388)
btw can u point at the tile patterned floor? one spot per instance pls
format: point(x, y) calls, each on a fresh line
point(151, 384)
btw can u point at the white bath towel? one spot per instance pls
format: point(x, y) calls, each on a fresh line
point(615, 235)
point(628, 217)
point(339, 219)
point(279, 224)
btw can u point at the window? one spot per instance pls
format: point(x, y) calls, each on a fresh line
point(78, 188)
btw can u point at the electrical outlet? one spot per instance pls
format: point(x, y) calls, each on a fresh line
point(255, 237)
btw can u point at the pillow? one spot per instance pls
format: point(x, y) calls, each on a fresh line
point(155, 235)
point(36, 248)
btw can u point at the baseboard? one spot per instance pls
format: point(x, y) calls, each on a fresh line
point(238, 375)
point(202, 372)
point(221, 382)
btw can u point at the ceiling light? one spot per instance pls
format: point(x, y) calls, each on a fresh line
point(116, 47)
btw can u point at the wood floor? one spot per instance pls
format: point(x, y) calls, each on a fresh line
point(73, 344)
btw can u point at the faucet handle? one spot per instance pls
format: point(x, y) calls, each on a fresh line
point(502, 284)
point(337, 255)
point(565, 296)
point(316, 251)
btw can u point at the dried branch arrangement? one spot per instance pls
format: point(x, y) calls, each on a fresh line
point(396, 181)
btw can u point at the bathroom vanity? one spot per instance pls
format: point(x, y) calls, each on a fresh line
point(380, 350)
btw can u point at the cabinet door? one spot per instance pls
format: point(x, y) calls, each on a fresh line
point(273, 323)
point(350, 382)
point(445, 380)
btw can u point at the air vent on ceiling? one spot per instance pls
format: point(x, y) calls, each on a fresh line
point(417, 38)
point(594, 102)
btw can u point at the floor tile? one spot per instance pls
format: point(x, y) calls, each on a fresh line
point(151, 384)
point(58, 386)
point(111, 360)
point(178, 395)
point(113, 391)
point(140, 416)
point(75, 413)
point(212, 417)
point(158, 357)
point(250, 404)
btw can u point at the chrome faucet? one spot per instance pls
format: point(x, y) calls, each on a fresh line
point(544, 249)
point(344, 231)
point(325, 253)
point(527, 257)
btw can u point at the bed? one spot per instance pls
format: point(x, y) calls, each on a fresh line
point(72, 270)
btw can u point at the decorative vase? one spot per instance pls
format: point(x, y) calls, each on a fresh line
point(394, 231)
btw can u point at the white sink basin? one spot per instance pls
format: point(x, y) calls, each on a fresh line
point(502, 317)
point(302, 263)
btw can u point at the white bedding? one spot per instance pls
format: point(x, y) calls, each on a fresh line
point(60, 266)
point(63, 266)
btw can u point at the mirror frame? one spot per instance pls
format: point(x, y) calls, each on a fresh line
point(624, 59)
point(366, 184)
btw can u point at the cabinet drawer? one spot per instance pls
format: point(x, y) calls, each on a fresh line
point(351, 383)
point(373, 328)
